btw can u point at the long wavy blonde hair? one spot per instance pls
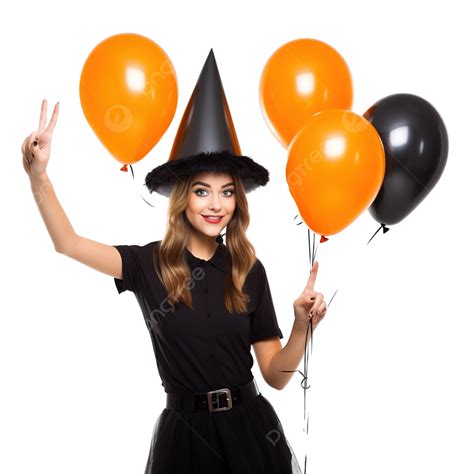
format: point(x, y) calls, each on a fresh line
point(169, 257)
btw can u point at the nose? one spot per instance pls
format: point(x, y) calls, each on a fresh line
point(215, 203)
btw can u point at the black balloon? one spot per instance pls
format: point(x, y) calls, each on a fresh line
point(416, 149)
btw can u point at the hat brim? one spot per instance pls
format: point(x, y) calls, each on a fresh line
point(162, 178)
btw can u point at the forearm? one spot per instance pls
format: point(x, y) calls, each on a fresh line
point(290, 356)
point(54, 217)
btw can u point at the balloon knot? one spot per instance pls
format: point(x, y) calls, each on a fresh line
point(323, 239)
point(385, 228)
point(124, 168)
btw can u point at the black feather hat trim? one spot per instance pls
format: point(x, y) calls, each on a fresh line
point(163, 177)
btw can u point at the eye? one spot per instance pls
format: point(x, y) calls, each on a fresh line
point(200, 189)
point(197, 191)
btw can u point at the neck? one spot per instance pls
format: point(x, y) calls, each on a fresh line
point(202, 246)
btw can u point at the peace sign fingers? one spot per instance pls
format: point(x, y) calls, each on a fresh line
point(54, 117)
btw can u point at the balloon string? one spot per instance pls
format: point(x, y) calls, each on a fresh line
point(312, 250)
point(133, 176)
point(304, 382)
point(385, 230)
point(305, 379)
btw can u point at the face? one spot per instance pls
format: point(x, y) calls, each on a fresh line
point(211, 194)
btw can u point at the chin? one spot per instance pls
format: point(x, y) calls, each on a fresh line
point(210, 230)
point(213, 234)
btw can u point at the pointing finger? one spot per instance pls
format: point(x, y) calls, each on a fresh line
point(312, 276)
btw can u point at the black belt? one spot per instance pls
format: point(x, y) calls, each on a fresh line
point(215, 400)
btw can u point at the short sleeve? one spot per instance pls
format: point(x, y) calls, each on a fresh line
point(130, 268)
point(264, 321)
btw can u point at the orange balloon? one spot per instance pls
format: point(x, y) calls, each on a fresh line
point(301, 78)
point(129, 93)
point(335, 169)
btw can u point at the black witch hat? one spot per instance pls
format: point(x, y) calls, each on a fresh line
point(206, 140)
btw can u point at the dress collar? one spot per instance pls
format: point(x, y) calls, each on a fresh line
point(219, 258)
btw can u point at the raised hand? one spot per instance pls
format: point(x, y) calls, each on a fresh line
point(36, 148)
point(310, 304)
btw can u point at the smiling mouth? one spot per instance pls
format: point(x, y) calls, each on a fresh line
point(212, 219)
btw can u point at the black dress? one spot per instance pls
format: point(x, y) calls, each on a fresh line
point(207, 349)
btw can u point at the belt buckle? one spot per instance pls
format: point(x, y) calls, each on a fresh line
point(219, 408)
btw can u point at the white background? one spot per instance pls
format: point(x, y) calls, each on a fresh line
point(391, 367)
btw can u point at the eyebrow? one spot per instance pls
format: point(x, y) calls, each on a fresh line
point(208, 186)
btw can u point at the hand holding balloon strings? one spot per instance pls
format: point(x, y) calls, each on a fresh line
point(310, 307)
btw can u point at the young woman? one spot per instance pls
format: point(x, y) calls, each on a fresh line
point(205, 304)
